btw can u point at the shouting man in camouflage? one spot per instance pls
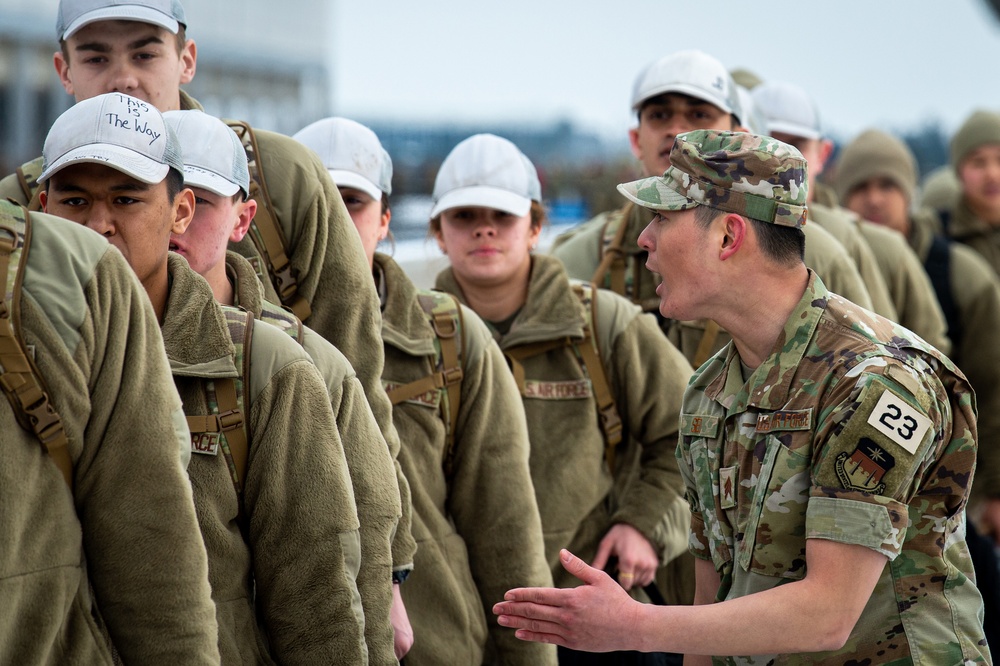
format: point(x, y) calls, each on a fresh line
point(827, 451)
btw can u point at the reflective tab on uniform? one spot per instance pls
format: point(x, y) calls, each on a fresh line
point(569, 390)
point(897, 420)
point(430, 398)
point(785, 419)
point(696, 425)
point(205, 443)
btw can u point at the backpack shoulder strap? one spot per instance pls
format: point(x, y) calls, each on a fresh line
point(265, 230)
point(228, 403)
point(19, 377)
point(445, 316)
point(27, 180)
point(589, 351)
point(611, 270)
point(938, 267)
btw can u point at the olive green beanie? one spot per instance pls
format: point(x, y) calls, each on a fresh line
point(744, 77)
point(875, 154)
point(981, 128)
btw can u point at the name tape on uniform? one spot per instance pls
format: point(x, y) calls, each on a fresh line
point(897, 420)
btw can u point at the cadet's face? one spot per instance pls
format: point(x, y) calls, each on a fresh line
point(217, 220)
point(979, 173)
point(488, 247)
point(662, 119)
point(881, 201)
point(366, 213)
point(138, 59)
point(676, 245)
point(135, 217)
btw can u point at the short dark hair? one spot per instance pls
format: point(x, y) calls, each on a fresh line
point(175, 183)
point(781, 244)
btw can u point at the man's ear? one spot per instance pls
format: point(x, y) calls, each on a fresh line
point(183, 211)
point(825, 150)
point(189, 61)
point(247, 212)
point(734, 233)
point(43, 199)
point(633, 142)
point(62, 70)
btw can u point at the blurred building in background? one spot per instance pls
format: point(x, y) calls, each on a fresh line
point(243, 45)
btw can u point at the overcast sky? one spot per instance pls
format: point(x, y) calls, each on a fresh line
point(883, 63)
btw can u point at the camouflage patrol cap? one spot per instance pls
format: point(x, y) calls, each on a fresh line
point(751, 175)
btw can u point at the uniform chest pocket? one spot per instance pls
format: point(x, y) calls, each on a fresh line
point(774, 540)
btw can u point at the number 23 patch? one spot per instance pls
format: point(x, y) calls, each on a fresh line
point(897, 420)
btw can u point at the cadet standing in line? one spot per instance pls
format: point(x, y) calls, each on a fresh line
point(878, 179)
point(113, 546)
point(680, 92)
point(465, 440)
point(827, 451)
point(575, 352)
point(215, 168)
point(140, 49)
point(271, 487)
point(975, 156)
point(912, 302)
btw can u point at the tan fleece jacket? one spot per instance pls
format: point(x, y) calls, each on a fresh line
point(128, 527)
point(302, 521)
point(373, 474)
point(478, 530)
point(647, 376)
point(326, 254)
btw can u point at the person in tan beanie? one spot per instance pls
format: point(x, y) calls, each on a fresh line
point(975, 156)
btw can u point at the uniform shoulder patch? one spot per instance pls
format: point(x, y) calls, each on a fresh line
point(896, 419)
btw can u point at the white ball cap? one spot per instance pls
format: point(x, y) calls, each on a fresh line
point(352, 153)
point(116, 130)
point(214, 158)
point(75, 14)
point(489, 172)
point(787, 108)
point(693, 73)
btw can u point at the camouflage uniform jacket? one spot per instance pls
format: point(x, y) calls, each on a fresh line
point(965, 227)
point(286, 593)
point(975, 291)
point(373, 475)
point(572, 481)
point(478, 530)
point(582, 249)
point(128, 527)
point(840, 436)
point(325, 252)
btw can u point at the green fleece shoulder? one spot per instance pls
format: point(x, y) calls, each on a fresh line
point(614, 314)
point(270, 351)
point(60, 271)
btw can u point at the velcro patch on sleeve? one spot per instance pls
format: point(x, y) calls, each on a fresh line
point(882, 444)
point(697, 425)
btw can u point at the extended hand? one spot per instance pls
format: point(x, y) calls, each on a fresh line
point(637, 560)
point(596, 617)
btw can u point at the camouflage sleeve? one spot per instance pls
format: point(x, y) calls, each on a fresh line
point(874, 448)
point(10, 188)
